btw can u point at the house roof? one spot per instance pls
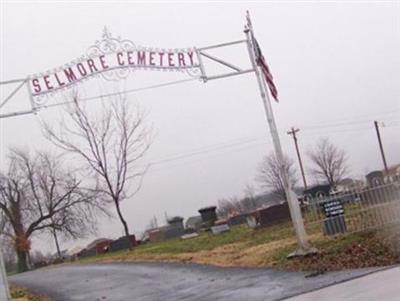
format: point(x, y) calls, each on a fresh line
point(209, 208)
point(95, 242)
point(394, 170)
point(175, 219)
point(193, 220)
point(74, 250)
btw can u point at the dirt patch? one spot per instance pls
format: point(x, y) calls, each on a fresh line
point(22, 294)
point(364, 250)
point(230, 255)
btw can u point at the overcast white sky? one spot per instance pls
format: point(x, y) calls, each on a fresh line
point(336, 66)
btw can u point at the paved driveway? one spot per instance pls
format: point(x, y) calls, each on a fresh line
point(162, 281)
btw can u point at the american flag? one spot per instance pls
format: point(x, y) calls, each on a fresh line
point(265, 70)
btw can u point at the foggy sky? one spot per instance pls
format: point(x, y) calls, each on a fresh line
point(336, 67)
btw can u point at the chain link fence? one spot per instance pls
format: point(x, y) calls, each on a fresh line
point(354, 209)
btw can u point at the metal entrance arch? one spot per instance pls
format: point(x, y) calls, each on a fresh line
point(196, 69)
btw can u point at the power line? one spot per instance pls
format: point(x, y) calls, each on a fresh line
point(120, 93)
point(201, 152)
point(322, 132)
point(340, 124)
point(102, 96)
point(227, 145)
point(345, 130)
point(223, 153)
point(353, 118)
point(178, 157)
point(233, 142)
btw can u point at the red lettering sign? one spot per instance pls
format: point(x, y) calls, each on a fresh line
point(141, 58)
point(75, 72)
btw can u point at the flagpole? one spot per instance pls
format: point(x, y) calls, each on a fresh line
point(4, 290)
point(294, 207)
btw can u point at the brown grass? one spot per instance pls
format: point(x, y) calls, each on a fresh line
point(19, 293)
point(267, 247)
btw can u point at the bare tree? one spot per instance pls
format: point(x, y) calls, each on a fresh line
point(72, 222)
point(110, 143)
point(228, 207)
point(37, 194)
point(249, 200)
point(269, 174)
point(330, 162)
point(249, 191)
point(153, 223)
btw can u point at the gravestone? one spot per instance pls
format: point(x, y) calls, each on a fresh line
point(103, 246)
point(88, 252)
point(156, 235)
point(189, 235)
point(218, 229)
point(122, 243)
point(252, 221)
point(175, 228)
point(208, 216)
point(237, 219)
point(193, 223)
point(269, 216)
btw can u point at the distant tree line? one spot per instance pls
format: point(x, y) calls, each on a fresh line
point(329, 165)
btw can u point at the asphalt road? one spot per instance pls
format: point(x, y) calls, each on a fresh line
point(170, 281)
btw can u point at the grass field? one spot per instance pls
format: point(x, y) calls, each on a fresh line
point(266, 247)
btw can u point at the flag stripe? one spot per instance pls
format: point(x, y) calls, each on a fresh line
point(261, 62)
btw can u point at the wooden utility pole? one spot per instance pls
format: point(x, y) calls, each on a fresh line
point(293, 132)
point(381, 146)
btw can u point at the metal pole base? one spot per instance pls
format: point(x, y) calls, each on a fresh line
point(303, 253)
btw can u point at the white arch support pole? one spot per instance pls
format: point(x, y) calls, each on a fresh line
point(294, 207)
point(3, 102)
point(4, 290)
point(201, 52)
point(21, 81)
